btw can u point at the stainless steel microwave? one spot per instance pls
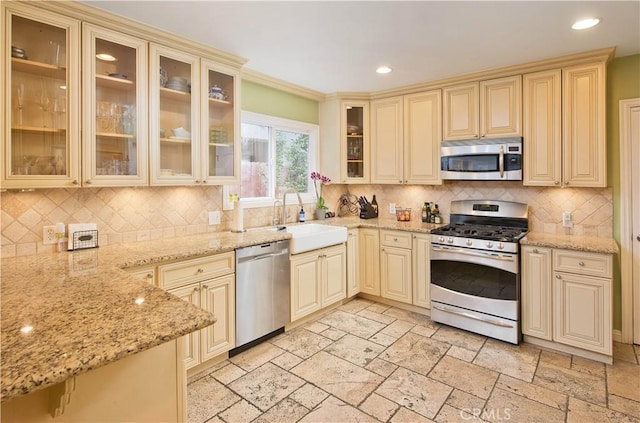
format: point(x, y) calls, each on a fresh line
point(496, 159)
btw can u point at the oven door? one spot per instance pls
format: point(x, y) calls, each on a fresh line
point(477, 280)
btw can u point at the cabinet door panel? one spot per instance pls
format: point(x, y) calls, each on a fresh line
point(386, 141)
point(501, 107)
point(305, 285)
point(582, 312)
point(395, 272)
point(536, 292)
point(355, 141)
point(421, 270)
point(370, 261)
point(542, 95)
point(218, 297)
point(584, 120)
point(460, 111)
point(353, 265)
point(422, 137)
point(334, 279)
point(190, 294)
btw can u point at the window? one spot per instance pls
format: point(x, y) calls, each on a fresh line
point(277, 154)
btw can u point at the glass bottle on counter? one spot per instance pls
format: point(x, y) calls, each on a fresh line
point(437, 218)
point(374, 204)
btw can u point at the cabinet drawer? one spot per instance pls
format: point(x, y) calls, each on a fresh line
point(181, 273)
point(395, 239)
point(590, 264)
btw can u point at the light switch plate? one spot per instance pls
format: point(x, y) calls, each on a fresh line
point(392, 208)
point(49, 235)
point(214, 218)
point(567, 221)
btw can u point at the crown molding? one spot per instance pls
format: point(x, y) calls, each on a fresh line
point(269, 81)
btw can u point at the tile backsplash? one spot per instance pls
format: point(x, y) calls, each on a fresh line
point(138, 214)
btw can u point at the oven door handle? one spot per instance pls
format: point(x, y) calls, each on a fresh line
point(472, 253)
point(471, 316)
point(501, 161)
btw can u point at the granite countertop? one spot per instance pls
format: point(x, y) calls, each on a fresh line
point(82, 305)
point(571, 242)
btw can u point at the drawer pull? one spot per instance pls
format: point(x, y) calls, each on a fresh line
point(535, 251)
point(200, 270)
point(149, 275)
point(581, 263)
point(205, 286)
point(395, 239)
point(558, 277)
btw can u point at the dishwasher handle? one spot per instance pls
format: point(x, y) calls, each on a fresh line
point(264, 256)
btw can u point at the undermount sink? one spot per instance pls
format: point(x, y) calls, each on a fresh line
point(311, 236)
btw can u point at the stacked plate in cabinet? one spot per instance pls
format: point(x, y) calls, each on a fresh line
point(178, 83)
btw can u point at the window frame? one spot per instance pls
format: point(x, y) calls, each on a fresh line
point(278, 123)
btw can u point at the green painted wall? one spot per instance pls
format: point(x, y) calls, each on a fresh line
point(269, 101)
point(623, 81)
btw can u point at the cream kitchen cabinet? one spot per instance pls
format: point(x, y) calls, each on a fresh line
point(421, 270)
point(396, 282)
point(369, 244)
point(485, 109)
point(345, 135)
point(353, 262)
point(114, 85)
point(318, 279)
point(536, 292)
point(146, 273)
point(565, 127)
point(567, 299)
point(387, 141)
point(422, 137)
point(41, 98)
point(209, 283)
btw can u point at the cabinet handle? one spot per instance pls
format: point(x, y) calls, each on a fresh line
point(581, 263)
point(149, 275)
point(200, 270)
point(557, 182)
point(88, 182)
point(535, 251)
point(75, 182)
point(566, 183)
point(400, 181)
point(395, 239)
point(205, 286)
point(196, 289)
point(197, 181)
point(558, 277)
point(638, 237)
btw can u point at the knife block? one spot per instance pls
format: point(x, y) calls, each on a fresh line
point(367, 212)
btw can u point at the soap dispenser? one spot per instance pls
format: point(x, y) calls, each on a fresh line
point(301, 215)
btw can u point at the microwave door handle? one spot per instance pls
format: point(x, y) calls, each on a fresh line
point(501, 161)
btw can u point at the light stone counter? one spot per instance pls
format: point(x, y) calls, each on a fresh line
point(82, 307)
point(571, 242)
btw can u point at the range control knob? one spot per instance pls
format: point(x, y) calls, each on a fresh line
point(469, 242)
point(450, 240)
point(489, 244)
point(500, 246)
point(441, 239)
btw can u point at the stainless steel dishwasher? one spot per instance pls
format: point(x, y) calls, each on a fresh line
point(262, 292)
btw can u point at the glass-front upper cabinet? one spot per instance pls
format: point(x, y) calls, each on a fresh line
point(355, 145)
point(114, 108)
point(174, 86)
point(220, 121)
point(41, 92)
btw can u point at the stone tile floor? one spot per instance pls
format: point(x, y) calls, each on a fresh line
point(368, 362)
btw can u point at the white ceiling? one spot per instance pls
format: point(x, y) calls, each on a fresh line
point(335, 46)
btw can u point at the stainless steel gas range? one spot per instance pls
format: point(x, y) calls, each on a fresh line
point(475, 278)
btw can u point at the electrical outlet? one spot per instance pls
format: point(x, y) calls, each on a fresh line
point(567, 221)
point(49, 235)
point(392, 208)
point(214, 218)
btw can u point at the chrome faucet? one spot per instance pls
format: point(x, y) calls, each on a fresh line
point(275, 219)
point(284, 203)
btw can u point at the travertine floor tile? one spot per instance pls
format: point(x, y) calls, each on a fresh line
point(556, 358)
point(302, 342)
point(624, 352)
point(266, 386)
point(340, 378)
point(585, 412)
point(415, 392)
point(379, 407)
point(503, 405)
point(354, 324)
point(410, 316)
point(585, 365)
point(404, 415)
point(336, 411)
point(415, 352)
point(458, 337)
point(333, 333)
point(381, 367)
point(383, 339)
point(240, 412)
point(256, 356)
point(518, 361)
point(286, 411)
point(355, 306)
point(207, 397)
point(397, 328)
point(377, 317)
point(356, 350)
point(533, 392)
point(378, 307)
point(316, 327)
point(477, 380)
point(286, 360)
point(228, 374)
point(462, 354)
point(572, 383)
point(426, 331)
point(624, 405)
point(309, 396)
point(449, 414)
point(463, 400)
point(623, 380)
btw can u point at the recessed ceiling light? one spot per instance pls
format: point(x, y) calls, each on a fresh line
point(383, 69)
point(106, 57)
point(585, 23)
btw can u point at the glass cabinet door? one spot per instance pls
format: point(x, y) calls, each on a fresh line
point(115, 113)
point(41, 81)
point(355, 126)
point(174, 118)
point(220, 121)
